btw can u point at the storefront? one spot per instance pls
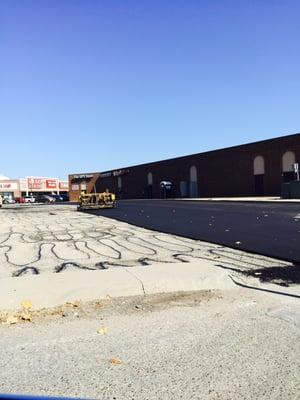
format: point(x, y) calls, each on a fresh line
point(43, 185)
point(15, 188)
point(9, 189)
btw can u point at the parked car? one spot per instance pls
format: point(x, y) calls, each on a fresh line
point(29, 199)
point(44, 198)
point(57, 197)
point(65, 196)
point(61, 197)
point(8, 200)
point(19, 200)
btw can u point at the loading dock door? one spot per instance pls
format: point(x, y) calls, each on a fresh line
point(149, 191)
point(193, 189)
point(259, 185)
point(183, 189)
point(259, 173)
point(193, 182)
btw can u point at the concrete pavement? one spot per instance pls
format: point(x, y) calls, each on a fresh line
point(57, 289)
point(47, 291)
point(204, 345)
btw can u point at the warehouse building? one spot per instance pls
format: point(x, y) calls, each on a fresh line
point(253, 169)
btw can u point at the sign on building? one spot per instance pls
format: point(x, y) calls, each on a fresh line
point(35, 183)
point(9, 186)
point(51, 184)
point(64, 185)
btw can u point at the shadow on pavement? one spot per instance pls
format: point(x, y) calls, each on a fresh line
point(282, 276)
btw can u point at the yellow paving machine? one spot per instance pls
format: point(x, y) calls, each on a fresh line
point(96, 201)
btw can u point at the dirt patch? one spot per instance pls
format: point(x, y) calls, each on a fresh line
point(111, 306)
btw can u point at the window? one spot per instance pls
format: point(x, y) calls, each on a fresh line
point(193, 174)
point(119, 182)
point(150, 178)
point(193, 182)
point(258, 165)
point(288, 159)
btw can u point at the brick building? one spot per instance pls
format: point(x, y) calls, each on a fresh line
point(247, 170)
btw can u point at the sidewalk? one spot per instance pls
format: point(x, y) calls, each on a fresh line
point(243, 199)
point(51, 290)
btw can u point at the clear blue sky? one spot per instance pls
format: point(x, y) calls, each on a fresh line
point(89, 85)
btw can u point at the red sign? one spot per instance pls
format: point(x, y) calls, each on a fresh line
point(64, 185)
point(34, 183)
point(51, 184)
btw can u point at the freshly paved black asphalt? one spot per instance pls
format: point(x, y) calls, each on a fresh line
point(264, 228)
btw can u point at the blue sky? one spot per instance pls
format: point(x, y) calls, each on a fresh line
point(90, 85)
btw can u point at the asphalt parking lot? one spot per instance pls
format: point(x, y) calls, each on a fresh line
point(263, 228)
point(37, 239)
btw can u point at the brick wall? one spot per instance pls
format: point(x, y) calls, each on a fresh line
point(226, 172)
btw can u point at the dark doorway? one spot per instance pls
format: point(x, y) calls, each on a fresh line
point(289, 176)
point(259, 185)
point(183, 189)
point(193, 189)
point(149, 191)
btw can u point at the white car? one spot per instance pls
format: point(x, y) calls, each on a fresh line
point(29, 199)
point(8, 200)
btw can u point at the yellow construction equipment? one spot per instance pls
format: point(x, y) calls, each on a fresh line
point(96, 201)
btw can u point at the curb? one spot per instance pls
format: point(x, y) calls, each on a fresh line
point(51, 290)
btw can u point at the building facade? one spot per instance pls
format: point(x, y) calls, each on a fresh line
point(10, 188)
point(15, 188)
point(253, 169)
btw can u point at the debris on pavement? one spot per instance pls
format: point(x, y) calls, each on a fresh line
point(12, 320)
point(26, 304)
point(115, 361)
point(102, 331)
point(25, 316)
